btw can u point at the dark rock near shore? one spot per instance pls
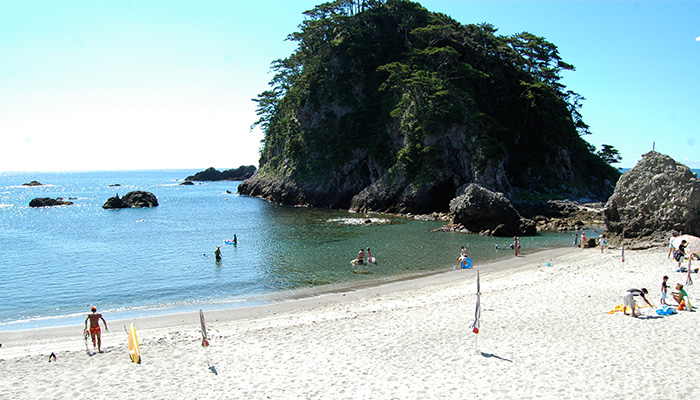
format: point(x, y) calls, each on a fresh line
point(481, 210)
point(33, 183)
point(211, 174)
point(562, 215)
point(48, 202)
point(131, 200)
point(187, 183)
point(657, 198)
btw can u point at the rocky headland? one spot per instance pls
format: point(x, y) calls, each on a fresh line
point(212, 174)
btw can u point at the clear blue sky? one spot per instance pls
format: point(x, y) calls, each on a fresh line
point(93, 85)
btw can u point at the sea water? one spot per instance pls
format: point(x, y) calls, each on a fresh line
point(55, 262)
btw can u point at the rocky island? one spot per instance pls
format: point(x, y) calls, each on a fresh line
point(212, 174)
point(132, 200)
point(408, 111)
point(49, 202)
point(33, 183)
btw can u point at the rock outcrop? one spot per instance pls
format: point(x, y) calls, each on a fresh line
point(211, 174)
point(562, 215)
point(481, 210)
point(33, 183)
point(131, 200)
point(655, 199)
point(48, 202)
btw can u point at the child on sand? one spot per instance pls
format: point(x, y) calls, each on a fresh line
point(664, 289)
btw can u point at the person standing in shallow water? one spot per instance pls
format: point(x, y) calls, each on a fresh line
point(95, 333)
point(217, 253)
point(361, 256)
point(516, 245)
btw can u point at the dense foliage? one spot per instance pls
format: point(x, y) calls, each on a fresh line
point(378, 89)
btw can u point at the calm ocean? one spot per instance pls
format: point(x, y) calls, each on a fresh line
point(57, 261)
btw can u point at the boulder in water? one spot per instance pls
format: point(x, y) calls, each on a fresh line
point(481, 210)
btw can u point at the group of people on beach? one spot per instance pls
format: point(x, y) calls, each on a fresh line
point(679, 295)
point(600, 240)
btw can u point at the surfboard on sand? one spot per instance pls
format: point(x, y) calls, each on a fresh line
point(134, 351)
point(205, 338)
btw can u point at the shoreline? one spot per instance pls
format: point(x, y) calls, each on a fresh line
point(545, 333)
point(277, 303)
point(245, 302)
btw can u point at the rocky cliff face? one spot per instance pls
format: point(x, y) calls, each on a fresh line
point(655, 199)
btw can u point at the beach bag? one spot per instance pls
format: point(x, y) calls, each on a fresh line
point(677, 255)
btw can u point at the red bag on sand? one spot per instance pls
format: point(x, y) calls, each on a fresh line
point(681, 306)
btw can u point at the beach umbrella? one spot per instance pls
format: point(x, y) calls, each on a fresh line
point(693, 243)
point(623, 252)
point(477, 312)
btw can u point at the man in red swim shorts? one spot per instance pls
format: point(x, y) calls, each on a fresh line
point(94, 319)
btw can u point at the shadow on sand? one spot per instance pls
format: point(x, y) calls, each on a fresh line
point(489, 355)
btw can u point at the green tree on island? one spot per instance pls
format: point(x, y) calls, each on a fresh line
point(609, 154)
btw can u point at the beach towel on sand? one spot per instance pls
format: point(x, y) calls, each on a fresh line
point(666, 310)
point(621, 308)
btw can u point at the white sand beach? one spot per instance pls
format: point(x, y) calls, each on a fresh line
point(545, 333)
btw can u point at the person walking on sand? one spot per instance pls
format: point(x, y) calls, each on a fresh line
point(583, 240)
point(679, 254)
point(95, 333)
point(664, 289)
point(602, 242)
point(671, 247)
point(217, 253)
point(628, 299)
point(516, 245)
